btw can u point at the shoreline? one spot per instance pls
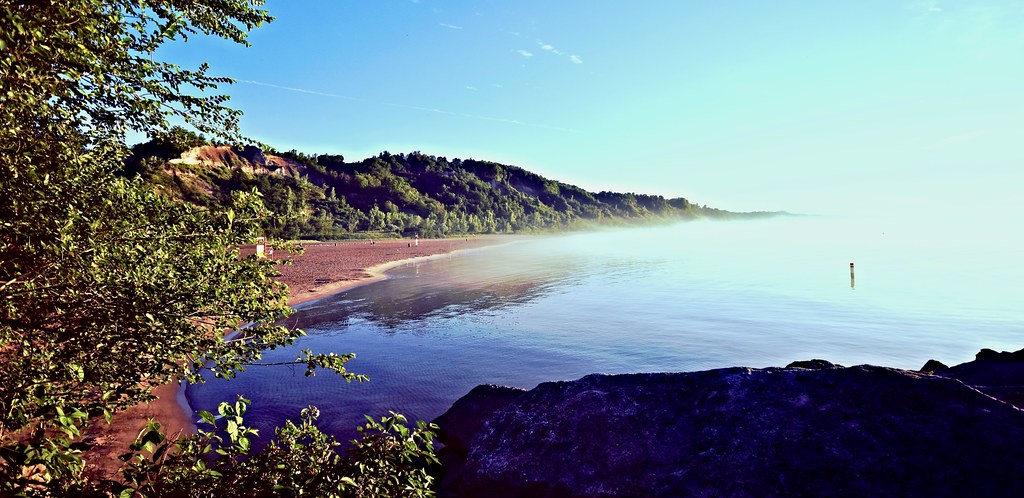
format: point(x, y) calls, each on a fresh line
point(324, 269)
point(375, 273)
point(378, 272)
point(318, 272)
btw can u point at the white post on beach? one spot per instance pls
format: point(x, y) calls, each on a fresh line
point(851, 276)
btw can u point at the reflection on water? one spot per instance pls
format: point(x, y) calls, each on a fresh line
point(691, 297)
point(448, 288)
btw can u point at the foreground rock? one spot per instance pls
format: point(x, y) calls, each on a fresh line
point(826, 431)
point(1000, 375)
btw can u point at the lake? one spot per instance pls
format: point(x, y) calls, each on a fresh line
point(691, 296)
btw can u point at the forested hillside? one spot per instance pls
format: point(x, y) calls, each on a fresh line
point(325, 197)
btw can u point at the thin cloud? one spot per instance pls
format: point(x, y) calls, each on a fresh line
point(484, 118)
point(449, 26)
point(301, 90)
point(413, 107)
point(473, 88)
point(547, 47)
point(525, 53)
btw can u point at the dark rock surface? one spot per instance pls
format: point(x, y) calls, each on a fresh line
point(813, 364)
point(831, 431)
point(932, 366)
point(462, 421)
point(998, 374)
point(467, 415)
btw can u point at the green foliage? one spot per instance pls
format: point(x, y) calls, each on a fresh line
point(108, 288)
point(111, 285)
point(414, 194)
point(89, 65)
point(389, 460)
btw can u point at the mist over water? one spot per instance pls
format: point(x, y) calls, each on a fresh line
point(692, 296)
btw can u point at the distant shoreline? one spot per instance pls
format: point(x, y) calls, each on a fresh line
point(322, 270)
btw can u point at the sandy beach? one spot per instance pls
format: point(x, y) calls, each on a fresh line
point(323, 269)
point(326, 268)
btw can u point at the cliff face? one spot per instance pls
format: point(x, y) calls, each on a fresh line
point(831, 431)
point(250, 159)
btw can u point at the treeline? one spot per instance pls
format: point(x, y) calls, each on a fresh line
point(325, 197)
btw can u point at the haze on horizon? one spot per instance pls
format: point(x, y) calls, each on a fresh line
point(865, 108)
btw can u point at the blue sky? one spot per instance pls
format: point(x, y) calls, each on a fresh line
point(818, 107)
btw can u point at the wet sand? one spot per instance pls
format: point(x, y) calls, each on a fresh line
point(323, 269)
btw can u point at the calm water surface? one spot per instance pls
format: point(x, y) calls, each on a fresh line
point(693, 296)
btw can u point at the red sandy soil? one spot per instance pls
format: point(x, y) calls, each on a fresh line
point(324, 268)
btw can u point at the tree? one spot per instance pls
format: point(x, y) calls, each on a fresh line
point(377, 219)
point(88, 65)
point(388, 461)
point(106, 288)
